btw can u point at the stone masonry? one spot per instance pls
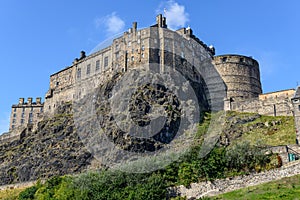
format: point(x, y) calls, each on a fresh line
point(198, 190)
point(26, 113)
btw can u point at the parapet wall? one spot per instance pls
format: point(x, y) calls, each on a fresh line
point(272, 104)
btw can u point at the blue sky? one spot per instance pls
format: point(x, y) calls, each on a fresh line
point(38, 38)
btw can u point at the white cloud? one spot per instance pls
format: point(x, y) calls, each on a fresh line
point(176, 15)
point(113, 23)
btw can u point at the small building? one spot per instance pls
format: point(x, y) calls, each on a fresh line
point(26, 113)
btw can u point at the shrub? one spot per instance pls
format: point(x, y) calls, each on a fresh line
point(28, 193)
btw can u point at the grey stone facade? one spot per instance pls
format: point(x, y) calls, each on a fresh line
point(138, 49)
point(26, 113)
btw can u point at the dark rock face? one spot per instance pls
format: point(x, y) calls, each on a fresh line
point(54, 149)
point(140, 106)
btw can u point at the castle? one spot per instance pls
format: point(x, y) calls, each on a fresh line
point(231, 82)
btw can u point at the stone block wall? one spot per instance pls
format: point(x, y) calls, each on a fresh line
point(272, 104)
point(26, 113)
point(240, 74)
point(198, 190)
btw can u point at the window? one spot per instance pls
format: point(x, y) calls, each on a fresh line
point(14, 121)
point(15, 109)
point(41, 109)
point(22, 115)
point(22, 121)
point(13, 126)
point(97, 65)
point(30, 115)
point(88, 69)
point(105, 61)
point(143, 47)
point(299, 107)
point(132, 58)
point(15, 115)
point(57, 83)
point(78, 75)
point(143, 55)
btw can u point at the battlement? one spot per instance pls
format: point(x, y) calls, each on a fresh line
point(233, 58)
point(22, 103)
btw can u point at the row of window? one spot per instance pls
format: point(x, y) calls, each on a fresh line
point(30, 120)
point(88, 67)
point(22, 116)
point(31, 109)
point(132, 57)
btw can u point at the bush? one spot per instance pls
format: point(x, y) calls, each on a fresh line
point(28, 193)
point(244, 157)
point(119, 185)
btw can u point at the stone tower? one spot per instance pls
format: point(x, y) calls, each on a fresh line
point(241, 76)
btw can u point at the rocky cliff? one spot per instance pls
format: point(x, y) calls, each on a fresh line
point(53, 149)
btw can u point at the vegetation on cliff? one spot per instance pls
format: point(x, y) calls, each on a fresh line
point(232, 158)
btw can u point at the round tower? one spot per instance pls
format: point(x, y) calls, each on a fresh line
point(241, 76)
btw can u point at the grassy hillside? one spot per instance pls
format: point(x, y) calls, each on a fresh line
point(286, 188)
point(259, 129)
point(241, 134)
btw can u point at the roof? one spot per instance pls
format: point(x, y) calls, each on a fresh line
point(297, 93)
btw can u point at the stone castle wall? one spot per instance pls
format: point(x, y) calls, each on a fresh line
point(272, 104)
point(198, 190)
point(136, 48)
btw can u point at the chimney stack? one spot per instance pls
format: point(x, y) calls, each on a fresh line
point(161, 21)
point(21, 101)
point(29, 100)
point(134, 26)
point(38, 100)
